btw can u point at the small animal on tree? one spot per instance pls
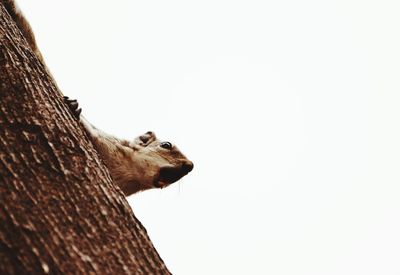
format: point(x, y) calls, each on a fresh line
point(143, 163)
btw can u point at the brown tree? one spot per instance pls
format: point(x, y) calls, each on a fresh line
point(59, 209)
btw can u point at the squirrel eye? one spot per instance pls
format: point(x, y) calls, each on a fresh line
point(166, 145)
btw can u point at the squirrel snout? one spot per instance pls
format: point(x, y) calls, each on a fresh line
point(187, 166)
point(170, 174)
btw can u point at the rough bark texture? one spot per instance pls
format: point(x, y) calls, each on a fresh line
point(59, 210)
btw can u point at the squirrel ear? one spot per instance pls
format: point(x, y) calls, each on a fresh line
point(146, 138)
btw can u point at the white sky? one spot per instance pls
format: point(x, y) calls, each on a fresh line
point(289, 110)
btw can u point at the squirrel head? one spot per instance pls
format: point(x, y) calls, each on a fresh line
point(157, 163)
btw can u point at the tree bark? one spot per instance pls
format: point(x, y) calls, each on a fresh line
point(60, 212)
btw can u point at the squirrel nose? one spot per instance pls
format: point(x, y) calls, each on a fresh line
point(187, 166)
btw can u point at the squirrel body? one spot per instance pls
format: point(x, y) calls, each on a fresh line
point(141, 164)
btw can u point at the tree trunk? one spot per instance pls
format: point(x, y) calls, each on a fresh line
point(59, 209)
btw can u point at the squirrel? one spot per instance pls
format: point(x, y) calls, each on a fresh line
point(137, 165)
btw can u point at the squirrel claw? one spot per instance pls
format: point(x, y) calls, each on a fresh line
point(73, 106)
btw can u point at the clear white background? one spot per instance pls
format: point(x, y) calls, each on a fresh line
point(289, 109)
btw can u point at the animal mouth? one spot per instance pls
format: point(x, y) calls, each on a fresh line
point(171, 174)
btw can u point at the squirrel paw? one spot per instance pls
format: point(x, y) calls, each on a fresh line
point(73, 105)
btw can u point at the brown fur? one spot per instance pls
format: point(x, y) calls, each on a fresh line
point(140, 164)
